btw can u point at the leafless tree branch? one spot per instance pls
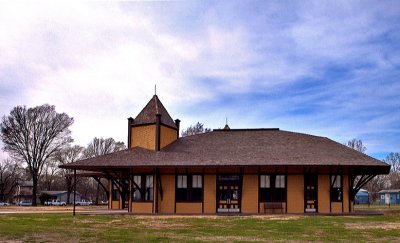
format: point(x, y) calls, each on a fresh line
point(33, 135)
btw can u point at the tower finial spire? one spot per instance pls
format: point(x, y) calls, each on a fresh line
point(155, 89)
point(226, 124)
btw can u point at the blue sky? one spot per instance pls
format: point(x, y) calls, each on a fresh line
point(327, 68)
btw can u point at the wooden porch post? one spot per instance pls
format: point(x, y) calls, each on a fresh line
point(74, 191)
point(130, 194)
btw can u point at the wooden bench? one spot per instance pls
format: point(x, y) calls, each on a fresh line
point(273, 206)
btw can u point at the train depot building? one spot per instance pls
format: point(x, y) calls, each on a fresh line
point(229, 171)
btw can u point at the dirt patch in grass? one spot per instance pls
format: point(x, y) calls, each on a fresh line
point(284, 218)
point(368, 226)
point(54, 237)
point(228, 239)
point(44, 237)
point(177, 216)
point(42, 219)
point(115, 221)
point(162, 224)
point(277, 217)
point(391, 212)
point(87, 221)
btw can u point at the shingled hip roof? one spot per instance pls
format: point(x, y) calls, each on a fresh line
point(148, 114)
point(246, 147)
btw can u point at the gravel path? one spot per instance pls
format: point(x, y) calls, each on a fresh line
point(59, 209)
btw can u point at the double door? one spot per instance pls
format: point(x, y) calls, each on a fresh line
point(228, 194)
point(310, 193)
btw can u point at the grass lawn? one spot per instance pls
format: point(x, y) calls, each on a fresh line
point(63, 227)
point(380, 207)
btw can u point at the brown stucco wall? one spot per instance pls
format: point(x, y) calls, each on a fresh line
point(142, 207)
point(210, 184)
point(250, 194)
point(115, 204)
point(336, 207)
point(295, 190)
point(188, 208)
point(323, 194)
point(166, 205)
point(144, 137)
point(167, 136)
point(250, 203)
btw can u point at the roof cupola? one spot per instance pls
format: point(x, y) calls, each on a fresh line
point(153, 128)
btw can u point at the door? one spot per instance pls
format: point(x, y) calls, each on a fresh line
point(228, 194)
point(310, 193)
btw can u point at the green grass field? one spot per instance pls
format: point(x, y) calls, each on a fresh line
point(64, 227)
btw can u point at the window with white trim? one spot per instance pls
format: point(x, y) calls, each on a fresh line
point(336, 188)
point(189, 188)
point(272, 188)
point(143, 188)
point(182, 181)
point(115, 192)
point(280, 181)
point(265, 181)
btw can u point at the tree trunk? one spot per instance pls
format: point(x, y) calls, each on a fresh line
point(68, 181)
point(48, 185)
point(97, 193)
point(2, 193)
point(34, 191)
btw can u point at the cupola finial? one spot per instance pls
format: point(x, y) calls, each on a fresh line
point(226, 124)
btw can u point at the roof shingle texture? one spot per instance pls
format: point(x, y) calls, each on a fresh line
point(239, 147)
point(149, 112)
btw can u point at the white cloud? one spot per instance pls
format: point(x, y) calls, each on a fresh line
point(99, 62)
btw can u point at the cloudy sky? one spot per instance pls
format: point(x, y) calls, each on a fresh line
point(324, 68)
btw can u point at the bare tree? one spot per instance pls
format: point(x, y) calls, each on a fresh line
point(377, 183)
point(33, 135)
point(66, 156)
point(49, 175)
point(195, 129)
point(356, 144)
point(10, 173)
point(380, 182)
point(393, 159)
point(101, 146)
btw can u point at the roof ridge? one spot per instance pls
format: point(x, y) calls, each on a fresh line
point(156, 99)
point(245, 129)
point(305, 134)
point(153, 108)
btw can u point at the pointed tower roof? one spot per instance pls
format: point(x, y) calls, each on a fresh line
point(149, 112)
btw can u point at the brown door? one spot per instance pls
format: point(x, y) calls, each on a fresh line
point(310, 193)
point(228, 194)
